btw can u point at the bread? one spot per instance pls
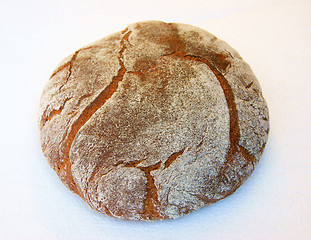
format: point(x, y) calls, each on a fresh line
point(153, 122)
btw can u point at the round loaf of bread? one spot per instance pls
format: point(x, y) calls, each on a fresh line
point(153, 122)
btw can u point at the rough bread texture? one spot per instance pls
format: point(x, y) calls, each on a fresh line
point(153, 122)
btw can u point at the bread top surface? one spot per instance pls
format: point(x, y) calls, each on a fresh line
point(153, 122)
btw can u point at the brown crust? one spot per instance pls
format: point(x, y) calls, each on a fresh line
point(160, 56)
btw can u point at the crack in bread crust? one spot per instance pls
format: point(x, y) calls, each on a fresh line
point(233, 112)
point(70, 63)
point(234, 129)
point(173, 157)
point(152, 203)
point(48, 116)
point(88, 112)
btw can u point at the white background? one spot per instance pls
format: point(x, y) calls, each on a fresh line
point(274, 37)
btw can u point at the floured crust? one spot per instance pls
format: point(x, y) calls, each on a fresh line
point(153, 122)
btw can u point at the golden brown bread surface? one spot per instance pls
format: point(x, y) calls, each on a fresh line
point(153, 122)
